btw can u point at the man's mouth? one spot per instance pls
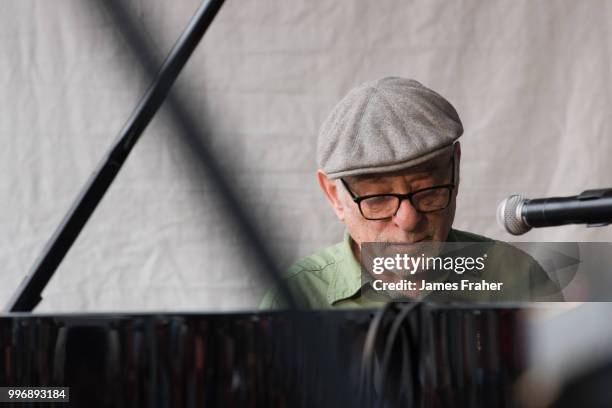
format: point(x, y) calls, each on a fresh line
point(405, 241)
point(421, 240)
point(416, 241)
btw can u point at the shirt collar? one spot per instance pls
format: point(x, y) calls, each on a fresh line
point(346, 281)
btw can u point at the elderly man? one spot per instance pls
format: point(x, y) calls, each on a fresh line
point(388, 159)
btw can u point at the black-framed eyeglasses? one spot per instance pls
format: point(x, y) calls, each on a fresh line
point(378, 207)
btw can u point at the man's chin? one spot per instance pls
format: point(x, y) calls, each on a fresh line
point(422, 247)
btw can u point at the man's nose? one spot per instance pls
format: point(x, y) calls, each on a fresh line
point(407, 217)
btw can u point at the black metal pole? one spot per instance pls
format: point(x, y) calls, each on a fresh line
point(27, 295)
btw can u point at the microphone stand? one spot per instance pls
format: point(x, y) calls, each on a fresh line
point(28, 293)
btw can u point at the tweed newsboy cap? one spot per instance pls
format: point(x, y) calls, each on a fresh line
point(386, 125)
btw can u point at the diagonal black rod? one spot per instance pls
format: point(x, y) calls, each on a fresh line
point(28, 293)
point(188, 133)
point(193, 138)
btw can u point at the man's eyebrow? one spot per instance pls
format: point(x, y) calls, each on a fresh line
point(417, 170)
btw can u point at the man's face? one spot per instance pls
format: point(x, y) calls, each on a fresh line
point(407, 225)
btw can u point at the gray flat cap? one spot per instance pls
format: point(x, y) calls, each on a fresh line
point(386, 125)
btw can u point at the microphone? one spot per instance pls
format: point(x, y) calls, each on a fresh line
point(517, 214)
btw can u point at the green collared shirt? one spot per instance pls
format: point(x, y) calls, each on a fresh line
point(332, 278)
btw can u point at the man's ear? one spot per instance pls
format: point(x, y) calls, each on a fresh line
point(457, 151)
point(457, 154)
point(331, 194)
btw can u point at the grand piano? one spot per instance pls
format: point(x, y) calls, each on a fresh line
point(447, 355)
point(412, 354)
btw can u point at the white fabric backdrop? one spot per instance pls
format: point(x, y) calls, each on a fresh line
point(531, 81)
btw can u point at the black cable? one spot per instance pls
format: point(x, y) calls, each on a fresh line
point(378, 331)
point(397, 326)
point(369, 350)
